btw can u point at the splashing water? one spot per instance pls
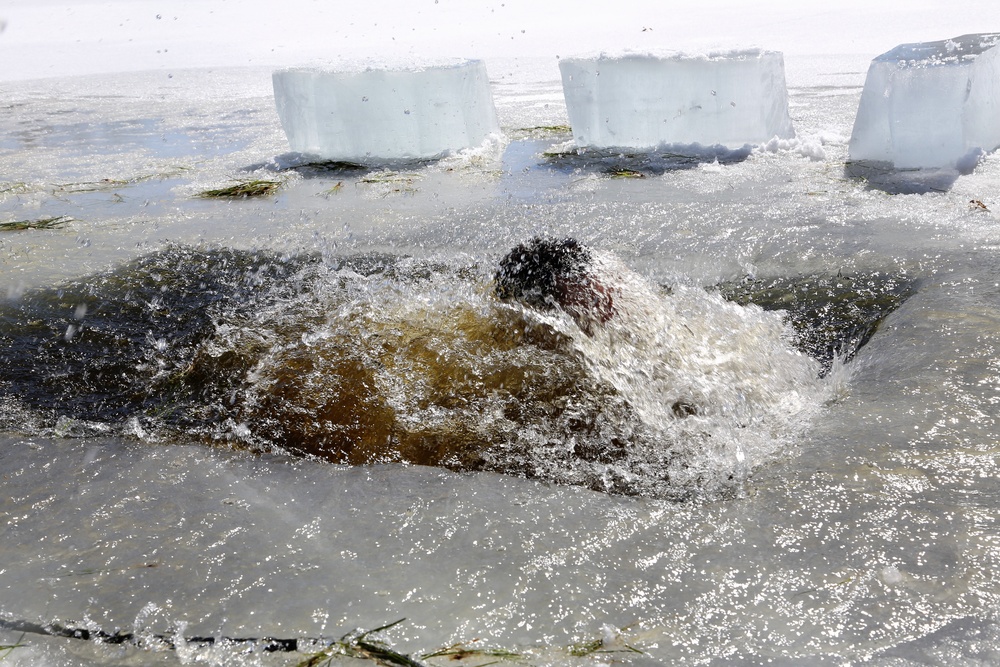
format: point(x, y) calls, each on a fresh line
point(719, 386)
point(393, 360)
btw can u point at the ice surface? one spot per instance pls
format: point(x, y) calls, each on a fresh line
point(730, 98)
point(385, 114)
point(900, 473)
point(931, 104)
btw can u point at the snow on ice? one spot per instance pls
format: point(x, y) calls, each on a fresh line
point(385, 114)
point(931, 104)
point(729, 98)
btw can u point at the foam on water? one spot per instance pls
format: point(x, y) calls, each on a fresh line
point(720, 379)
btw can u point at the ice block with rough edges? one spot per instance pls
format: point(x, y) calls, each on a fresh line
point(931, 104)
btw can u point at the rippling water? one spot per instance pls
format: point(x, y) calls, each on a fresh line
point(299, 416)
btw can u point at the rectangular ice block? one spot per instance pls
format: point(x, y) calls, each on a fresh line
point(730, 98)
point(385, 114)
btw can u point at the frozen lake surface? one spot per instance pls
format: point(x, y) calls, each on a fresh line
point(866, 535)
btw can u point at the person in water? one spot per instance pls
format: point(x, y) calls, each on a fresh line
point(548, 273)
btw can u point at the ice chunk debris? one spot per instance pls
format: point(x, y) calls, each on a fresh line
point(385, 114)
point(730, 98)
point(931, 105)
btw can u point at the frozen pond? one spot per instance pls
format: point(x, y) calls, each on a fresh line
point(865, 533)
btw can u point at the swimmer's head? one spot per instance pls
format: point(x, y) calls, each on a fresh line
point(547, 273)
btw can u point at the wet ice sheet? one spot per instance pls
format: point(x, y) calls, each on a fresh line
point(875, 539)
point(842, 556)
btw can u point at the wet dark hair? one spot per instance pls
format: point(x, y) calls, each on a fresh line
point(534, 272)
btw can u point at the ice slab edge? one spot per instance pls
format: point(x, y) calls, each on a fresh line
point(382, 114)
point(730, 98)
point(931, 104)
